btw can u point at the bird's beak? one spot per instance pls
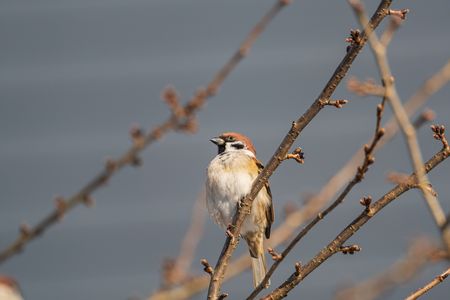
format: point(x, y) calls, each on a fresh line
point(218, 141)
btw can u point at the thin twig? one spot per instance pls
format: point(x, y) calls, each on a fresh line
point(420, 292)
point(419, 254)
point(379, 51)
point(180, 120)
point(334, 246)
point(359, 175)
point(297, 126)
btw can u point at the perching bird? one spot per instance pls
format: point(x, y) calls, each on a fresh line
point(230, 176)
point(9, 289)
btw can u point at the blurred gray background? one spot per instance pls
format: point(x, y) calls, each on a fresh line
point(75, 75)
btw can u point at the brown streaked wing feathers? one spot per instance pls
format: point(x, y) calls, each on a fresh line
point(270, 214)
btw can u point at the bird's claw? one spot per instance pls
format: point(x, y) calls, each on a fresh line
point(229, 231)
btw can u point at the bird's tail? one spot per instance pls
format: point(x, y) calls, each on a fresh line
point(259, 269)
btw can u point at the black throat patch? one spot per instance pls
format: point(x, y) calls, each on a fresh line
point(220, 148)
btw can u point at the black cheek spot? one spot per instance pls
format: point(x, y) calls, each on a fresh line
point(238, 146)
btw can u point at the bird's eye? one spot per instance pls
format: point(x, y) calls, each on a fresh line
point(230, 139)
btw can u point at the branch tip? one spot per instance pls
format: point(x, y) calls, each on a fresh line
point(207, 267)
point(399, 13)
point(354, 38)
point(350, 249)
point(380, 133)
point(366, 201)
point(297, 155)
point(380, 109)
point(222, 296)
point(439, 134)
point(274, 254)
point(298, 268)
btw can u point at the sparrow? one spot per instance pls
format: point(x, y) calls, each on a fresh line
point(229, 179)
point(9, 289)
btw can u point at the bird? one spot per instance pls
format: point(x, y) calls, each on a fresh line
point(229, 178)
point(9, 289)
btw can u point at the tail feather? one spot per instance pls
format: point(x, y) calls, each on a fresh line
point(259, 269)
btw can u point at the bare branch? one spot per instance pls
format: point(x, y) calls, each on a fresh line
point(282, 150)
point(335, 245)
point(359, 175)
point(419, 254)
point(312, 208)
point(402, 118)
point(297, 217)
point(420, 292)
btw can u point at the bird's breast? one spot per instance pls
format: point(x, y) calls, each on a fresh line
point(229, 179)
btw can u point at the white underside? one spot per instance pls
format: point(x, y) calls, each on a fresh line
point(228, 181)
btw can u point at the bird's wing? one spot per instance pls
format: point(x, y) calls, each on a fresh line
point(270, 214)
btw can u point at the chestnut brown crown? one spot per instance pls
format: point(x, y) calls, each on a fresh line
point(234, 136)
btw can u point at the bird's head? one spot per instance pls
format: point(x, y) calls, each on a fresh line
point(233, 141)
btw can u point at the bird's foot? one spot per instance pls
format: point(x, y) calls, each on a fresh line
point(229, 231)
